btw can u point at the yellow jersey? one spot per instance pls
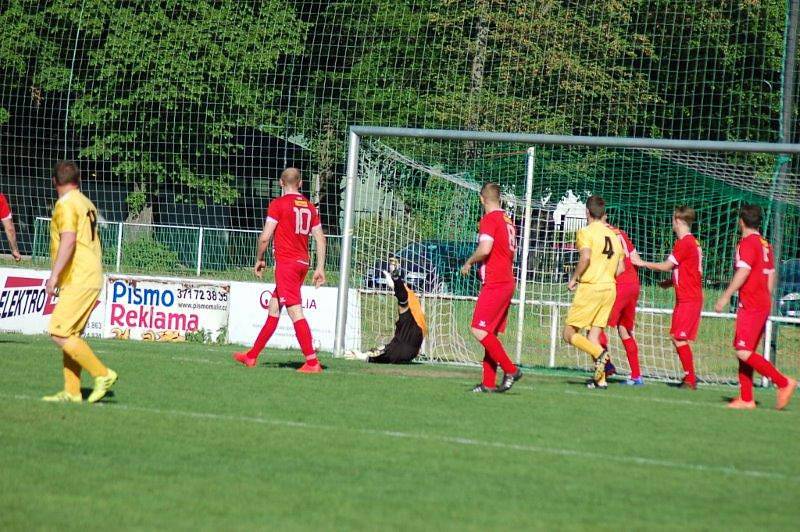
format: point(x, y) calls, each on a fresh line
point(75, 213)
point(606, 253)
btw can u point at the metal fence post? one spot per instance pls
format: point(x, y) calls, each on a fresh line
point(199, 251)
point(767, 348)
point(554, 315)
point(119, 245)
point(347, 240)
point(526, 247)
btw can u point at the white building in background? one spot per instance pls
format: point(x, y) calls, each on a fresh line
point(570, 213)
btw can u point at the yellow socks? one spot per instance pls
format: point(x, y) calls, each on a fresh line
point(81, 353)
point(72, 376)
point(583, 343)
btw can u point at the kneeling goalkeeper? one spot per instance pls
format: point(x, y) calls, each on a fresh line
point(409, 330)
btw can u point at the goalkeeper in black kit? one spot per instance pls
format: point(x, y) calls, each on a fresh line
point(409, 330)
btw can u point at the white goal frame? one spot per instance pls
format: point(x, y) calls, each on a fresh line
point(532, 140)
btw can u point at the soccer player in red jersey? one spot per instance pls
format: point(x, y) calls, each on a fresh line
point(496, 247)
point(291, 218)
point(8, 224)
point(755, 281)
point(686, 265)
point(623, 314)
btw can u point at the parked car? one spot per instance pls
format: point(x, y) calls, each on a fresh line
point(788, 292)
point(430, 266)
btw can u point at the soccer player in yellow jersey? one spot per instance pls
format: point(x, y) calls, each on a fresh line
point(76, 278)
point(594, 284)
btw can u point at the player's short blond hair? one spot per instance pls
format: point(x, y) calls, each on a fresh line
point(491, 192)
point(291, 176)
point(685, 214)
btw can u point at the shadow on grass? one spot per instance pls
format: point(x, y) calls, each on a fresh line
point(12, 341)
point(109, 397)
point(292, 364)
point(581, 383)
point(728, 398)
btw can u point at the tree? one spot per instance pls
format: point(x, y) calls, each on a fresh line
point(160, 87)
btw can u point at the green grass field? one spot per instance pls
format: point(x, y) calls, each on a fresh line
point(191, 441)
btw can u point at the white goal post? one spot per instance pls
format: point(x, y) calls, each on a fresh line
point(544, 304)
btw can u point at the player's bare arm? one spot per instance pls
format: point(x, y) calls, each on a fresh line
point(736, 283)
point(66, 249)
point(665, 266)
point(479, 255)
point(583, 262)
point(11, 234)
point(320, 241)
point(263, 244)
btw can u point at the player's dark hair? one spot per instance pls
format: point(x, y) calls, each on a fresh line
point(751, 216)
point(291, 176)
point(686, 214)
point(66, 173)
point(596, 207)
point(491, 192)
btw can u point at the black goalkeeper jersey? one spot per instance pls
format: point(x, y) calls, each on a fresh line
point(406, 333)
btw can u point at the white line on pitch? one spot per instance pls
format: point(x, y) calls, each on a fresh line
point(194, 360)
point(638, 460)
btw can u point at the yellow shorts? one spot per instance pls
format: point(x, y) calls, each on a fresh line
point(591, 305)
point(73, 308)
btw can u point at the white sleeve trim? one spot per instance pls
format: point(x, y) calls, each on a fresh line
point(768, 271)
point(318, 225)
point(7, 217)
point(742, 264)
point(271, 219)
point(483, 237)
point(673, 260)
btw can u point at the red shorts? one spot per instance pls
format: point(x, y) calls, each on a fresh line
point(491, 309)
point(750, 326)
point(624, 310)
point(289, 277)
point(686, 320)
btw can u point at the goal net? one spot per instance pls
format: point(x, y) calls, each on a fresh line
point(416, 204)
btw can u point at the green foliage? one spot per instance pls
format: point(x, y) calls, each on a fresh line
point(136, 200)
point(184, 75)
point(145, 253)
point(200, 336)
point(160, 89)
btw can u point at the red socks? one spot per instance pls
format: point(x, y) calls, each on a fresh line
point(496, 352)
point(763, 366)
point(632, 350)
point(303, 333)
point(745, 382)
point(489, 371)
point(263, 336)
point(685, 354)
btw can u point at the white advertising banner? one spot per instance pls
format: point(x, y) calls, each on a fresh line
point(248, 311)
point(165, 310)
point(26, 308)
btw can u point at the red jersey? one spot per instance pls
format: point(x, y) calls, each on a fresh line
point(5, 210)
point(498, 228)
point(687, 276)
point(631, 273)
point(296, 218)
point(755, 254)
